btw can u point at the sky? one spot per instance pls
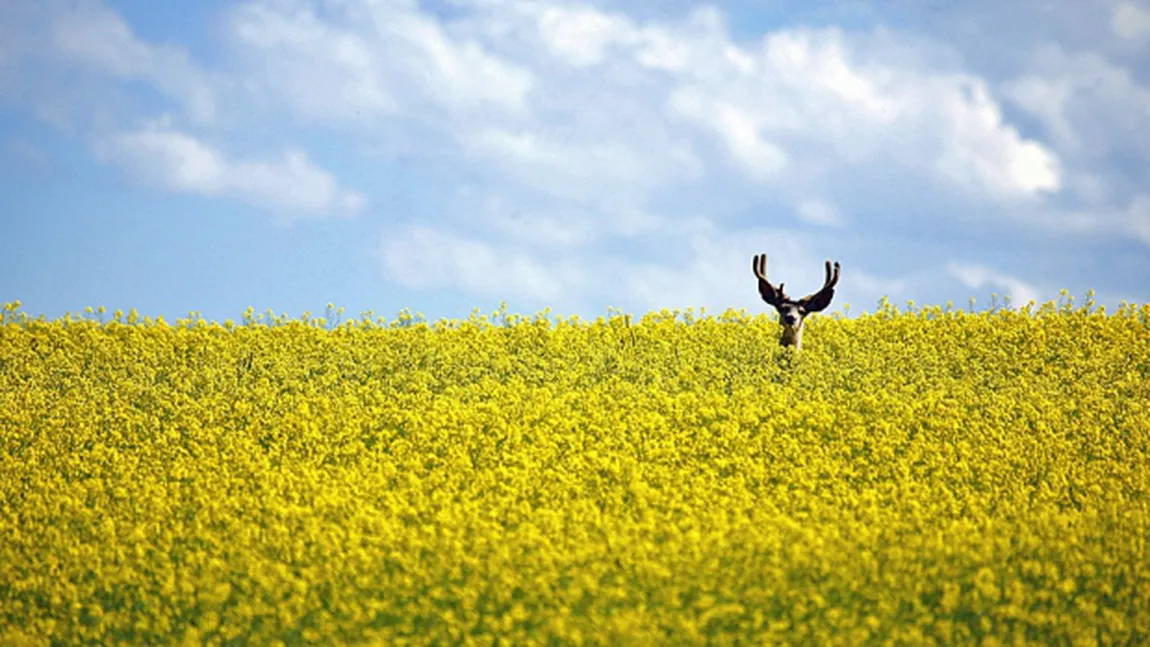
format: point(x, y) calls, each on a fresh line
point(449, 155)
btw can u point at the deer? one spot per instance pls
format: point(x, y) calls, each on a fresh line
point(792, 312)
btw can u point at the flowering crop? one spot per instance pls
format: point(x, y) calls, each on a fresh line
point(913, 476)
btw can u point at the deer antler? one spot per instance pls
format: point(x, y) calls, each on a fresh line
point(772, 295)
point(821, 299)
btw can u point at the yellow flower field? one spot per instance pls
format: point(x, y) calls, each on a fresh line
point(914, 476)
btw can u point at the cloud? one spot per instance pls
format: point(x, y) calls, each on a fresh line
point(818, 212)
point(580, 151)
point(1128, 20)
point(564, 226)
point(96, 37)
point(425, 257)
point(712, 269)
point(566, 166)
point(1094, 113)
point(582, 36)
point(980, 150)
point(608, 117)
point(91, 41)
point(1131, 221)
point(975, 276)
point(177, 161)
point(737, 129)
point(810, 94)
point(698, 265)
point(875, 287)
point(793, 113)
point(1138, 218)
point(1090, 106)
point(367, 59)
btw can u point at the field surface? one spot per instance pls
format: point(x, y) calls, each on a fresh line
point(913, 477)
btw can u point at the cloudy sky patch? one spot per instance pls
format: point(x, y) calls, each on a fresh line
point(570, 155)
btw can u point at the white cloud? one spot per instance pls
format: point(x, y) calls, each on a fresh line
point(1090, 106)
point(630, 106)
point(975, 276)
point(819, 63)
point(569, 167)
point(1129, 20)
point(873, 287)
point(581, 35)
point(1046, 98)
point(711, 268)
point(1138, 218)
point(1094, 112)
point(560, 226)
point(94, 36)
point(981, 151)
point(73, 64)
point(738, 130)
point(540, 230)
point(322, 71)
point(368, 58)
point(426, 257)
point(593, 142)
point(179, 162)
point(1131, 221)
point(819, 212)
point(795, 115)
point(811, 99)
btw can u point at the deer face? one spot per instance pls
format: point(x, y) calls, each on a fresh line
point(791, 316)
point(792, 312)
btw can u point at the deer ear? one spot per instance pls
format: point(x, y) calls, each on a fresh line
point(819, 301)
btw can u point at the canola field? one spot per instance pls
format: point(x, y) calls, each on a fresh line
point(913, 476)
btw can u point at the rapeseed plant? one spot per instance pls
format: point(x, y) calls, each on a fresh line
point(917, 476)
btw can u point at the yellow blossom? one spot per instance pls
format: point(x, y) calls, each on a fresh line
point(919, 476)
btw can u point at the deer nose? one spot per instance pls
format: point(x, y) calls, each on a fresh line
point(790, 318)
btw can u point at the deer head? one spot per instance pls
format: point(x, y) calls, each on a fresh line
point(792, 312)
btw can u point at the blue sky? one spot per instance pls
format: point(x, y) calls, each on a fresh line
point(443, 156)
